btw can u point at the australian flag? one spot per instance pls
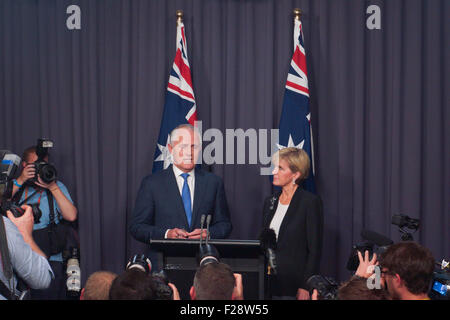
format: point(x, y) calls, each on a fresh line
point(295, 121)
point(179, 107)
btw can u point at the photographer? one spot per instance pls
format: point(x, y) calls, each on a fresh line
point(407, 269)
point(135, 284)
point(216, 281)
point(56, 205)
point(27, 260)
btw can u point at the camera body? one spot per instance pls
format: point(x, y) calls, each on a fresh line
point(18, 212)
point(440, 285)
point(46, 171)
point(9, 168)
point(353, 260)
point(326, 287)
point(403, 221)
point(160, 279)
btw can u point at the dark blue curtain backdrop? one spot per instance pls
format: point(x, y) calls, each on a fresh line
point(379, 103)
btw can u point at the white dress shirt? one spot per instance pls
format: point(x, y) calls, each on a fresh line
point(190, 181)
point(180, 182)
point(278, 217)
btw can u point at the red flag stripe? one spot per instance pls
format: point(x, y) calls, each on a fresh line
point(300, 59)
point(184, 69)
point(193, 118)
point(182, 92)
point(297, 86)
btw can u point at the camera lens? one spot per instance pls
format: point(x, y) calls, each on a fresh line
point(47, 173)
point(37, 213)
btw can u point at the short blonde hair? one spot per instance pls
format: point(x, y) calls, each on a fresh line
point(297, 159)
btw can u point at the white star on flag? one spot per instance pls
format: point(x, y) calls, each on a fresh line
point(291, 144)
point(165, 154)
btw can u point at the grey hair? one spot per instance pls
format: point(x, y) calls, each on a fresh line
point(174, 132)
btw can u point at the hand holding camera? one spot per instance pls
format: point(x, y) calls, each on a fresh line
point(24, 222)
point(28, 172)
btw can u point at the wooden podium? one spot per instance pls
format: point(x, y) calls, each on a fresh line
point(180, 261)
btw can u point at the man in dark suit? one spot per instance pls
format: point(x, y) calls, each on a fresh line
point(171, 202)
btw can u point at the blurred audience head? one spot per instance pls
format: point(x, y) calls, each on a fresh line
point(356, 289)
point(98, 285)
point(407, 268)
point(133, 284)
point(213, 281)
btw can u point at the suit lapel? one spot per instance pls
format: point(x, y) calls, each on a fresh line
point(273, 205)
point(292, 209)
point(199, 191)
point(172, 188)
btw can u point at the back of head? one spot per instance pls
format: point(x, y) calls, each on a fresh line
point(98, 285)
point(412, 262)
point(214, 281)
point(133, 284)
point(356, 289)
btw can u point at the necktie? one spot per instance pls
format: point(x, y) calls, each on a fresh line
point(186, 196)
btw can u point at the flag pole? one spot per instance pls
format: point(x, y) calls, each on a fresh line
point(297, 14)
point(179, 14)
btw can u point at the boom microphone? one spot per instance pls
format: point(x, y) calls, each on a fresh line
point(376, 238)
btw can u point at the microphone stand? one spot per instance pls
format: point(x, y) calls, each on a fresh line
point(208, 221)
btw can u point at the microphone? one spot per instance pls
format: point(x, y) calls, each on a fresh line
point(202, 222)
point(268, 242)
point(376, 238)
point(208, 221)
point(208, 253)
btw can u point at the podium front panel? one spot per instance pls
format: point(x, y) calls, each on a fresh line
point(180, 261)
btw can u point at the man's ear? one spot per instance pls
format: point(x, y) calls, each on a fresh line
point(398, 280)
point(192, 293)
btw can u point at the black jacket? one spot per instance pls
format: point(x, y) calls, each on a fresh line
point(299, 243)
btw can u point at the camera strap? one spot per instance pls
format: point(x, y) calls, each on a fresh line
point(18, 195)
point(6, 262)
point(51, 208)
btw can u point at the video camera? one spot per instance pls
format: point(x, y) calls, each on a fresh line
point(377, 243)
point(44, 170)
point(141, 262)
point(403, 221)
point(440, 286)
point(326, 287)
point(9, 169)
point(374, 243)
